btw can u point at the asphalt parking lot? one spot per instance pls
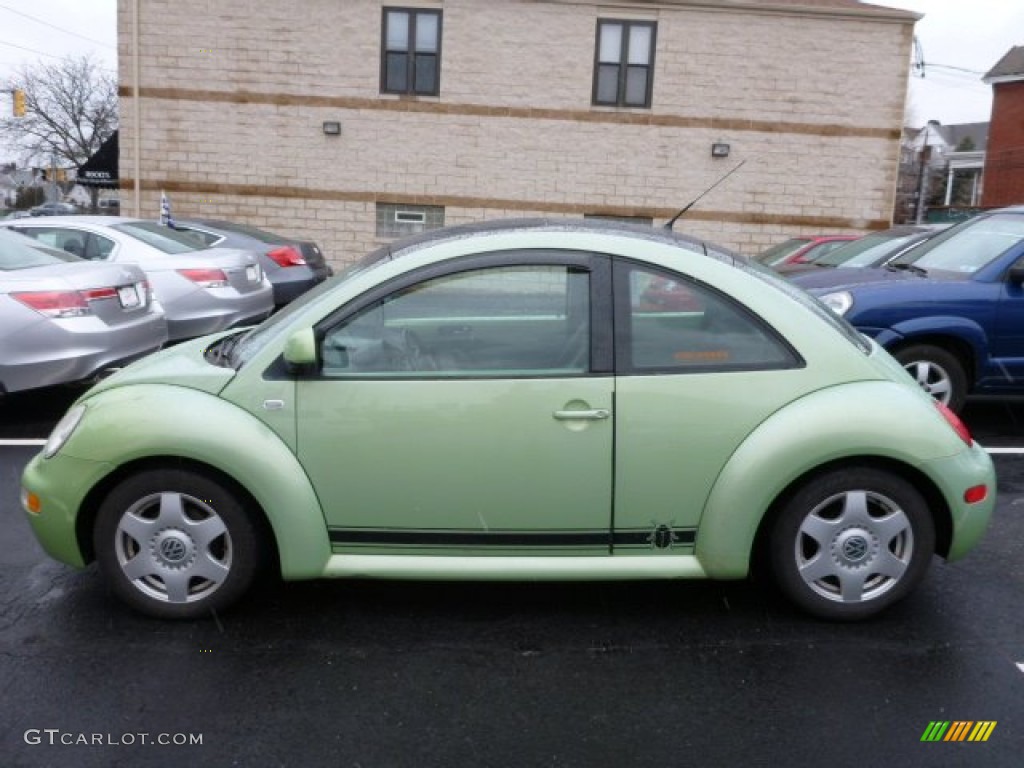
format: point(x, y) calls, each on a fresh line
point(376, 674)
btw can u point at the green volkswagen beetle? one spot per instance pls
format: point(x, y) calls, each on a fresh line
point(518, 401)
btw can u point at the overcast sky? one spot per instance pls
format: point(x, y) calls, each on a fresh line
point(960, 40)
point(958, 35)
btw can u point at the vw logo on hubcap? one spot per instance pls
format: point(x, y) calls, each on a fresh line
point(855, 548)
point(173, 550)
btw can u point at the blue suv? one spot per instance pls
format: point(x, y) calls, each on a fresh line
point(951, 310)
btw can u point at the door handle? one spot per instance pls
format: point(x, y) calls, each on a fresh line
point(598, 414)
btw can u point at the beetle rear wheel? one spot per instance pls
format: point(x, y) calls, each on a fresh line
point(852, 542)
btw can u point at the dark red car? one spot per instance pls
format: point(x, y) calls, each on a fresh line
point(800, 250)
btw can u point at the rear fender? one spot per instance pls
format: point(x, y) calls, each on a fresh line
point(869, 420)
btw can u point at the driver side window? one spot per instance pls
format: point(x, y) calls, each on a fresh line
point(503, 321)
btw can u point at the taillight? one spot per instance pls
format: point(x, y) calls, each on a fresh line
point(206, 278)
point(56, 303)
point(954, 421)
point(95, 294)
point(976, 494)
point(287, 257)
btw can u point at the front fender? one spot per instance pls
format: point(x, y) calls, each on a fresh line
point(880, 419)
point(960, 328)
point(128, 424)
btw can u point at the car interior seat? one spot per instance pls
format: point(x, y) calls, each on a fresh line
point(74, 246)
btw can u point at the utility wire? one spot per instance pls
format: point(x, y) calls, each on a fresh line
point(30, 50)
point(59, 29)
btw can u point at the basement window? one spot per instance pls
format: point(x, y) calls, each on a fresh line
point(394, 220)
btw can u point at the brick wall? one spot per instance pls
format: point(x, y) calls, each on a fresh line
point(234, 94)
point(1004, 160)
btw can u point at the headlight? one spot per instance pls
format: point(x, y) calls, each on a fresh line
point(839, 303)
point(63, 431)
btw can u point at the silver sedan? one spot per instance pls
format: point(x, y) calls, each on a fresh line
point(202, 290)
point(63, 319)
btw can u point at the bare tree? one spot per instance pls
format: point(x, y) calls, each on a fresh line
point(70, 110)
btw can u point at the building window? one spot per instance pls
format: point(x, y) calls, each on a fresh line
point(624, 63)
point(411, 55)
point(399, 220)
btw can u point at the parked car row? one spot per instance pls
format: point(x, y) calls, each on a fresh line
point(192, 287)
point(947, 303)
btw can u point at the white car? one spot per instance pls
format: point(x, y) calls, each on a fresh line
point(202, 290)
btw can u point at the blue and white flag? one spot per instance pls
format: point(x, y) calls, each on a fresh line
point(166, 219)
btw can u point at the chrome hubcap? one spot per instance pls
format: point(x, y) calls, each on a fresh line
point(173, 547)
point(854, 546)
point(932, 378)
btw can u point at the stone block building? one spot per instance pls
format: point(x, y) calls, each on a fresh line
point(353, 121)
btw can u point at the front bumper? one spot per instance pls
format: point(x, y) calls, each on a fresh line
point(61, 484)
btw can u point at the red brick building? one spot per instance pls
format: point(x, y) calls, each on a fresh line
point(1004, 162)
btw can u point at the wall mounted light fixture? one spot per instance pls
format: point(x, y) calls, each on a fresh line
point(720, 149)
point(332, 128)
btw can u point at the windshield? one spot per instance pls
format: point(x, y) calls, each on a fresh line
point(162, 238)
point(865, 251)
point(263, 334)
point(18, 252)
point(969, 247)
point(779, 253)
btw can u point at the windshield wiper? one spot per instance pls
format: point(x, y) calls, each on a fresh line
point(907, 267)
point(219, 353)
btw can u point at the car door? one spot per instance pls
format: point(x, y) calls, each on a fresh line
point(1007, 339)
point(696, 373)
point(467, 410)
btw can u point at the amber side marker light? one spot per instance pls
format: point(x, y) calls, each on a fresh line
point(31, 502)
point(976, 494)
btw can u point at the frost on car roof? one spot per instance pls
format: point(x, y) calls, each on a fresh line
point(592, 226)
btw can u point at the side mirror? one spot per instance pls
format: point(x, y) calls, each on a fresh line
point(300, 350)
point(1016, 273)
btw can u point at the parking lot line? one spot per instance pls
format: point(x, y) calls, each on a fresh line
point(21, 442)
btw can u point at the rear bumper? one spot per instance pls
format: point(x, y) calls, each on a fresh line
point(77, 349)
point(290, 283)
point(218, 309)
point(955, 475)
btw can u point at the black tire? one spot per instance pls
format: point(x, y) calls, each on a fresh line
point(176, 544)
point(851, 542)
point(939, 373)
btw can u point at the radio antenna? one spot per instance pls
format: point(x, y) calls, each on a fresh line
point(670, 222)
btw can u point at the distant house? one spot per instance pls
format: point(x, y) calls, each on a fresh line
point(1004, 165)
point(13, 179)
point(944, 162)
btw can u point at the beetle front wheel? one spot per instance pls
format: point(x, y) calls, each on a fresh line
point(175, 544)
